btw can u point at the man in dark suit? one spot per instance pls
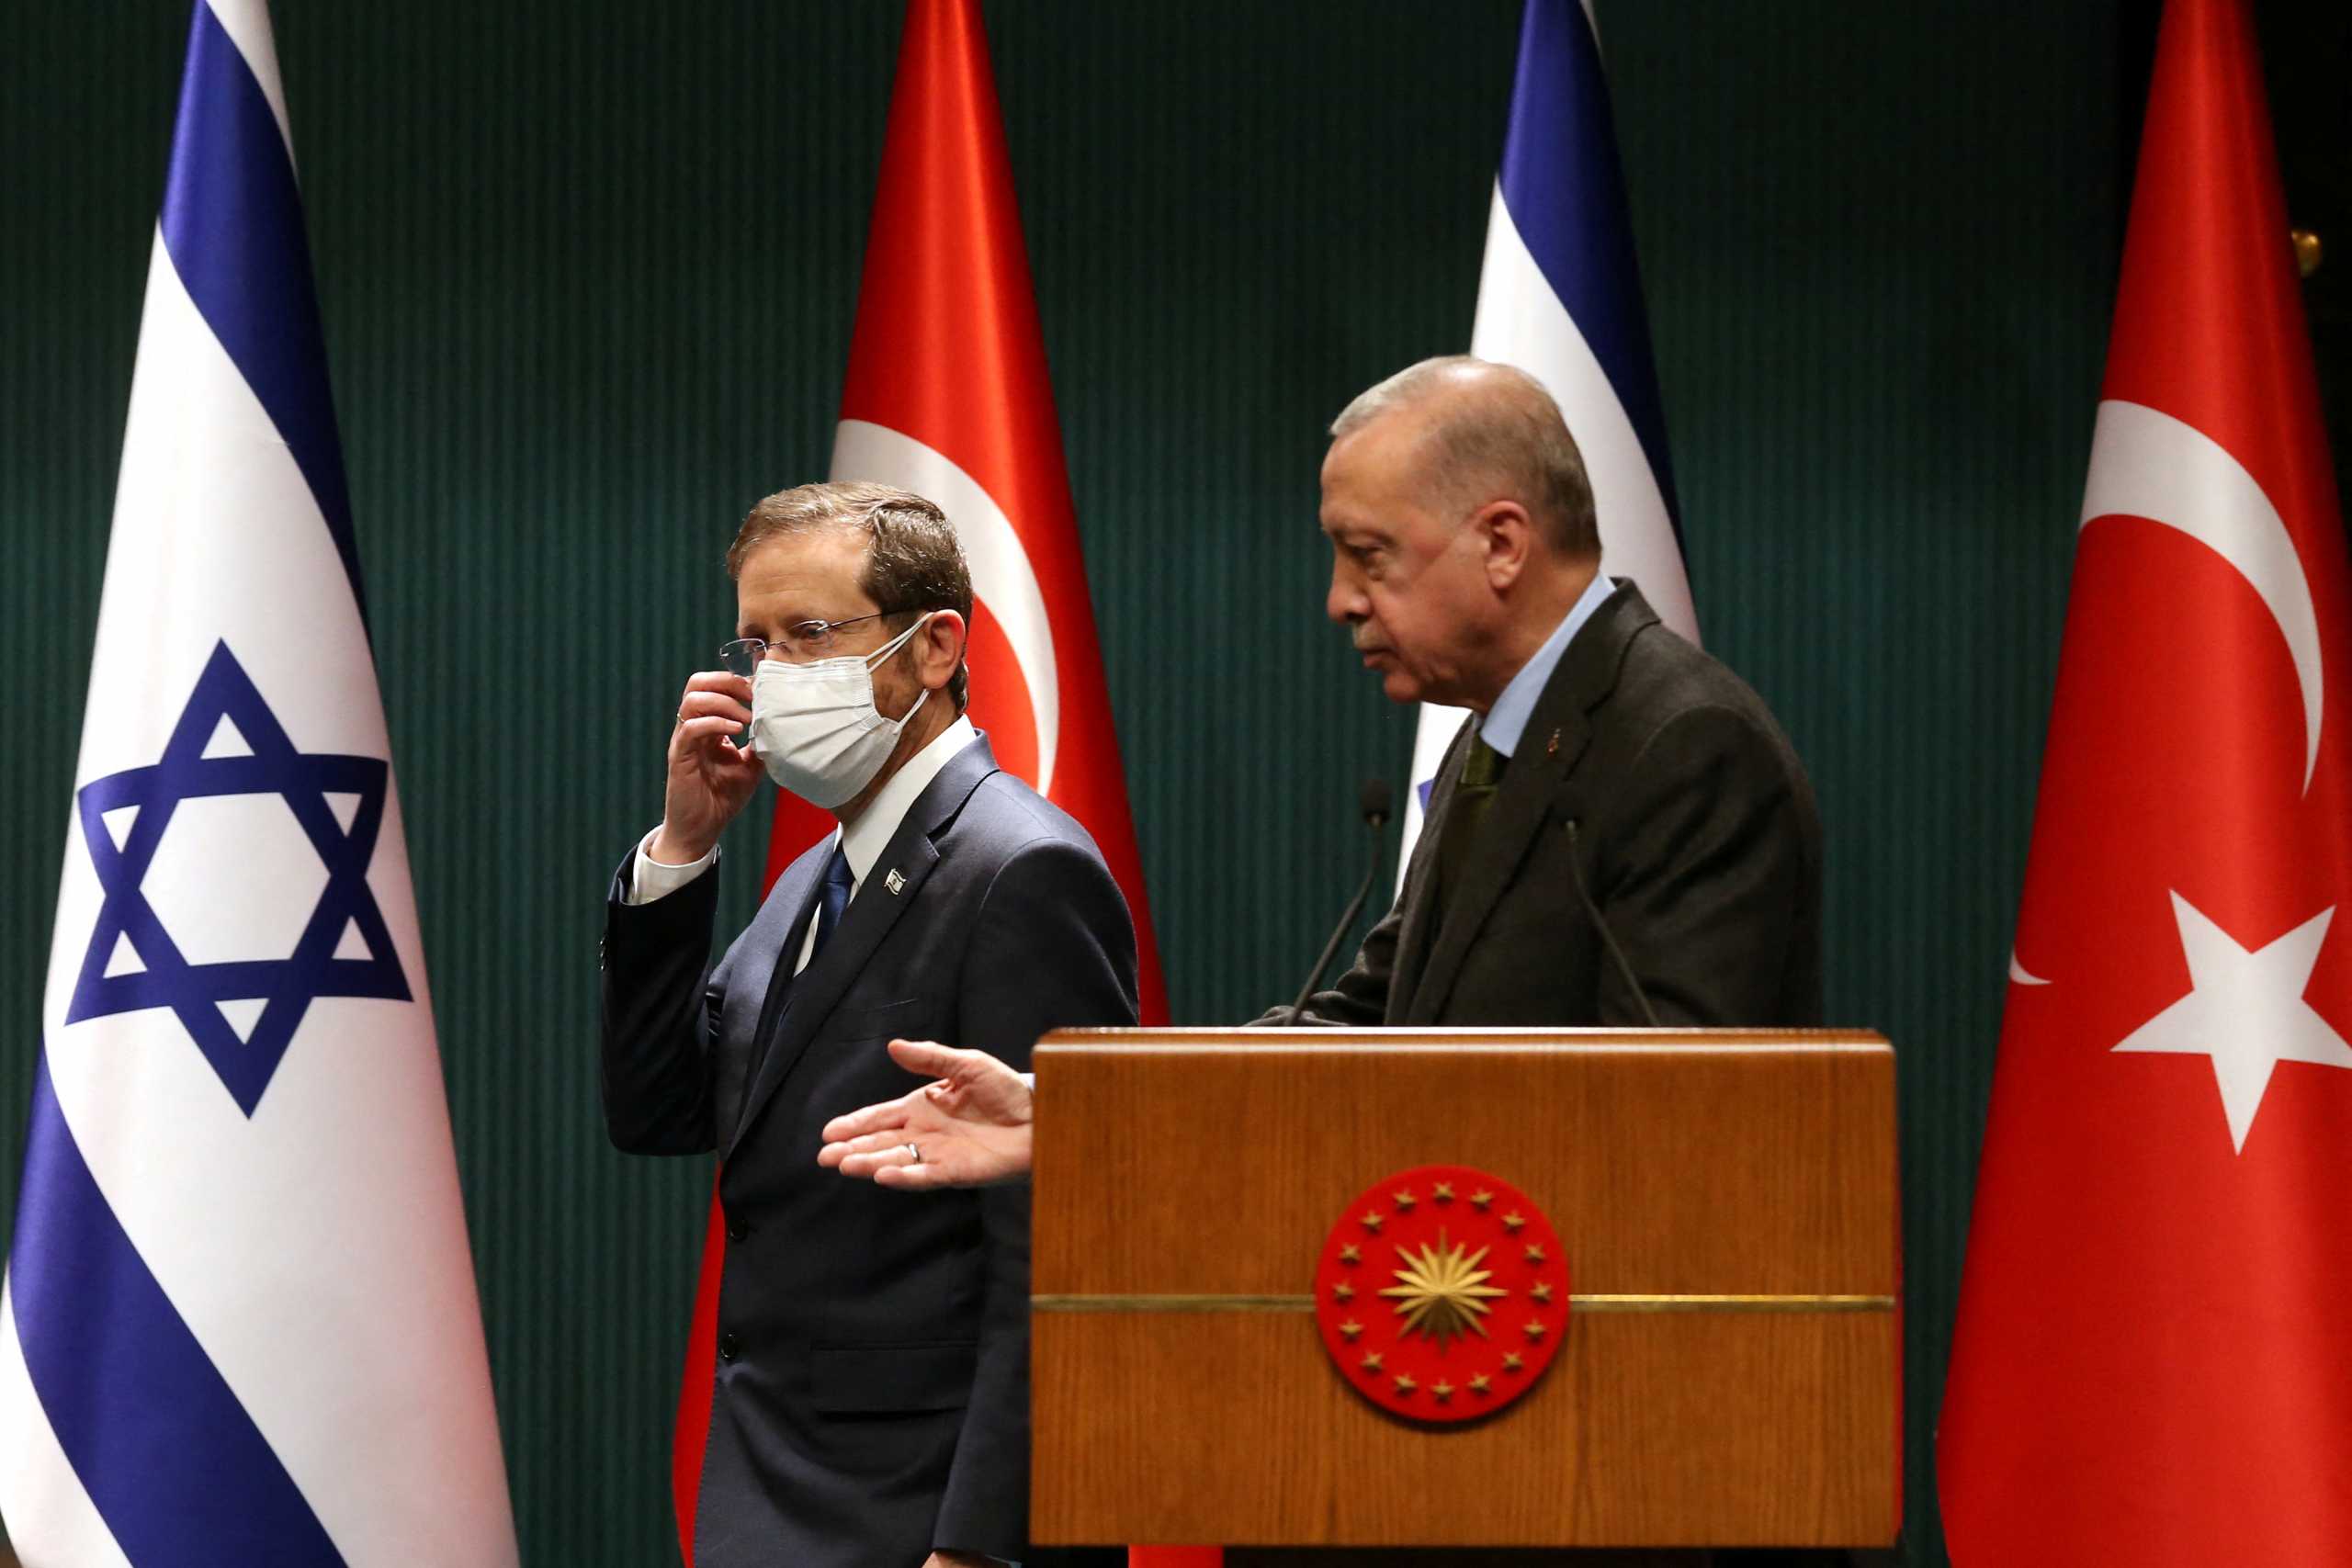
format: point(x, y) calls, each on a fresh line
point(1619, 834)
point(1613, 783)
point(870, 1406)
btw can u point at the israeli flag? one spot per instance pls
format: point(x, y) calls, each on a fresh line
point(239, 1324)
point(1560, 296)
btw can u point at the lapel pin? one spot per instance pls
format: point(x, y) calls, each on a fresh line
point(1552, 747)
point(894, 882)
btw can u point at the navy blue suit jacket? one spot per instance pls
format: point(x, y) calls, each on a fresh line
point(872, 1395)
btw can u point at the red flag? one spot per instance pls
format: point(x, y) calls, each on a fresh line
point(2153, 1363)
point(948, 396)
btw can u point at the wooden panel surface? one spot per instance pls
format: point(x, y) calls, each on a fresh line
point(1207, 1165)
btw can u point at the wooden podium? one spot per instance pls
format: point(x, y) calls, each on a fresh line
point(1731, 1370)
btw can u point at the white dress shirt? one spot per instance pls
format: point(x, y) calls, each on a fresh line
point(861, 842)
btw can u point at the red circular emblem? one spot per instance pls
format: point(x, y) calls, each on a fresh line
point(1443, 1293)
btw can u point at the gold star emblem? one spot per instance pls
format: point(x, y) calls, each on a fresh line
point(1542, 1292)
point(1442, 1193)
point(1535, 1255)
point(1371, 1363)
point(1373, 1221)
point(1405, 1201)
point(1534, 1326)
point(1442, 1292)
point(1482, 1383)
point(1512, 1220)
point(1442, 1389)
point(1482, 1198)
point(1349, 1254)
point(1405, 1384)
point(1352, 1328)
point(1343, 1291)
point(1511, 1363)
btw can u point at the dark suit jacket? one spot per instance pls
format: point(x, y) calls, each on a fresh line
point(1696, 835)
point(872, 1398)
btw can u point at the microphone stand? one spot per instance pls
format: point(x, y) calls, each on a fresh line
point(1373, 800)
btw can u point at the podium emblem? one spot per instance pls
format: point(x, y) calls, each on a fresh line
point(1443, 1293)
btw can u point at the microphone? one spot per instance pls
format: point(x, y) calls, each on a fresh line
point(1608, 937)
point(1375, 801)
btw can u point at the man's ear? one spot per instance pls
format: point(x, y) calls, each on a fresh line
point(1507, 534)
point(939, 647)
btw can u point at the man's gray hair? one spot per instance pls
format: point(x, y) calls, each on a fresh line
point(1495, 434)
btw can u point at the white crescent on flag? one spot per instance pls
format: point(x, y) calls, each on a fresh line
point(2147, 464)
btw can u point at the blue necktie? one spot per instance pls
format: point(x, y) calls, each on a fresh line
point(831, 900)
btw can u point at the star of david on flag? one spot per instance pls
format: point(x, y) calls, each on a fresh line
point(237, 1054)
point(343, 949)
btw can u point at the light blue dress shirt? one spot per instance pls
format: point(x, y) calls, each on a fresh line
point(1509, 716)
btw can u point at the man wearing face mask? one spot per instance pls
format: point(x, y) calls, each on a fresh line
point(870, 1403)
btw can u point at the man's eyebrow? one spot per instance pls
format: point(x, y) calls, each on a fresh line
point(791, 616)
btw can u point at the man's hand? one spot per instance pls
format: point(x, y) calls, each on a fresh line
point(968, 1128)
point(711, 777)
point(958, 1560)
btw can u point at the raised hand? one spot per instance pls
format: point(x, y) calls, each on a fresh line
point(711, 777)
point(969, 1127)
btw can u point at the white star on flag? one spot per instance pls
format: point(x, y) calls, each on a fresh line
point(2244, 1009)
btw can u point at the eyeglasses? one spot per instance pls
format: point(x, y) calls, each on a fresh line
point(802, 641)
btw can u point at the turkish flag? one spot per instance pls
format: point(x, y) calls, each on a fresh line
point(948, 396)
point(2153, 1363)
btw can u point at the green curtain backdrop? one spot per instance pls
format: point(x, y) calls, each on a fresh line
point(588, 272)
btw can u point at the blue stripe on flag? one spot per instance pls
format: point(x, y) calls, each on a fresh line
point(1561, 182)
point(179, 1470)
point(232, 223)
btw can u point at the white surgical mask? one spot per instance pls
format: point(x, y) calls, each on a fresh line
point(815, 727)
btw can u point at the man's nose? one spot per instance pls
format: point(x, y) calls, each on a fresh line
point(1345, 602)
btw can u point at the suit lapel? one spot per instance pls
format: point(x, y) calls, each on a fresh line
point(796, 892)
point(1549, 748)
point(811, 998)
point(796, 898)
point(1419, 893)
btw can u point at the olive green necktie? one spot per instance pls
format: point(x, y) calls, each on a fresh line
point(1474, 796)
